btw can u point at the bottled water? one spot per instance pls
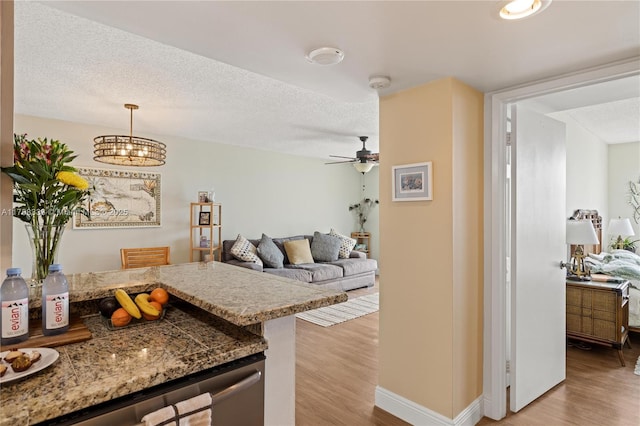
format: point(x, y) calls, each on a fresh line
point(55, 302)
point(14, 299)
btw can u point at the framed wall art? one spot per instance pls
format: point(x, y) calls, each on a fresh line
point(204, 218)
point(412, 182)
point(120, 199)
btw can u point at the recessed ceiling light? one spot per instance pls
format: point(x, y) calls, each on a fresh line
point(325, 56)
point(379, 82)
point(519, 9)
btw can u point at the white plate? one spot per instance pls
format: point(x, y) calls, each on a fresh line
point(49, 356)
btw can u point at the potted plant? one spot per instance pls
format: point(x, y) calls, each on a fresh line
point(362, 210)
point(628, 244)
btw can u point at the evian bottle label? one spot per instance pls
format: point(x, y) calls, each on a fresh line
point(15, 316)
point(57, 310)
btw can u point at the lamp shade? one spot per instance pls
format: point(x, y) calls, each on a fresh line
point(581, 232)
point(621, 226)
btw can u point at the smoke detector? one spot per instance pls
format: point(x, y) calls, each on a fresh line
point(325, 56)
point(379, 82)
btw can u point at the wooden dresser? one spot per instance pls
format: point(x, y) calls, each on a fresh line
point(598, 312)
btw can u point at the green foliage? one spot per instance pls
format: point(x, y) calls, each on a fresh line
point(37, 191)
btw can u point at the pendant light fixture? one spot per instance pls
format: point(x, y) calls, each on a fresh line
point(129, 150)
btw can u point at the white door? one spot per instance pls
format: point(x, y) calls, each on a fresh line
point(538, 240)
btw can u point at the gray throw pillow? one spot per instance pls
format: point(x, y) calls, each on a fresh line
point(325, 248)
point(270, 253)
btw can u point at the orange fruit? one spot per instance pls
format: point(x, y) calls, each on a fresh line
point(158, 307)
point(120, 318)
point(159, 295)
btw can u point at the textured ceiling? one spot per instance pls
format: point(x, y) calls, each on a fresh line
point(612, 122)
point(609, 110)
point(234, 72)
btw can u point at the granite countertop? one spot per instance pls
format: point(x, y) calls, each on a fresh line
point(119, 362)
point(238, 295)
point(212, 302)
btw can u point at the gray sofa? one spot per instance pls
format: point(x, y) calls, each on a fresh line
point(343, 274)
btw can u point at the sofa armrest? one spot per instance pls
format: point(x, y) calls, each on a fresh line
point(249, 265)
point(358, 254)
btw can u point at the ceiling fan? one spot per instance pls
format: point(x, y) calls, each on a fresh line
point(364, 159)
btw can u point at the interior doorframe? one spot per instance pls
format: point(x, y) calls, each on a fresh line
point(495, 133)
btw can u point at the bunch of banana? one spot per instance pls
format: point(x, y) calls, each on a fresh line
point(125, 301)
point(142, 300)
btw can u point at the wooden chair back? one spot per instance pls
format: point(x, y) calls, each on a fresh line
point(143, 257)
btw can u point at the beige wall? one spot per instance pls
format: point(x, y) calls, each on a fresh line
point(431, 284)
point(623, 167)
point(6, 129)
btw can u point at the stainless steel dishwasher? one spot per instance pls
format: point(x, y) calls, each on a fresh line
point(237, 390)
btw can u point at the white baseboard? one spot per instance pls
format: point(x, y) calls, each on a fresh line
point(416, 414)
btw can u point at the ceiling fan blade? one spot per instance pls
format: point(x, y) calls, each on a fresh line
point(340, 162)
point(341, 156)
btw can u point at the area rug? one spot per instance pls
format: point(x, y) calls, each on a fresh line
point(637, 370)
point(341, 312)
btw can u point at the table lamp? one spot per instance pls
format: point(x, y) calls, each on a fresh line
point(621, 227)
point(580, 232)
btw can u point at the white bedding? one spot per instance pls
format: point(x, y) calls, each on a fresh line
point(624, 264)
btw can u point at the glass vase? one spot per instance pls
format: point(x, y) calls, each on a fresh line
point(45, 241)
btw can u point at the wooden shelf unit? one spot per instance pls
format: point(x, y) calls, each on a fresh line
point(210, 232)
point(362, 238)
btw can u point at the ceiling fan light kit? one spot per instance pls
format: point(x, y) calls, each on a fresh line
point(129, 150)
point(363, 167)
point(520, 9)
point(325, 56)
point(364, 160)
point(379, 82)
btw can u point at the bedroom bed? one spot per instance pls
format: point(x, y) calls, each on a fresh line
point(614, 263)
point(621, 264)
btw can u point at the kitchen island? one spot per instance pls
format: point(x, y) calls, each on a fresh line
point(247, 313)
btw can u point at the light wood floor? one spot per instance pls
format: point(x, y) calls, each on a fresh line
point(336, 376)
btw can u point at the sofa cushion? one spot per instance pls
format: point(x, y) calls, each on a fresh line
point(356, 266)
point(279, 242)
point(243, 264)
point(325, 248)
point(294, 274)
point(243, 250)
point(298, 251)
point(320, 271)
point(270, 253)
point(347, 244)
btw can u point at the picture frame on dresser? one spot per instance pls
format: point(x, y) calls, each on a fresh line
point(412, 182)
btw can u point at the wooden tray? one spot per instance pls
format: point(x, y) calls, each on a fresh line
point(78, 332)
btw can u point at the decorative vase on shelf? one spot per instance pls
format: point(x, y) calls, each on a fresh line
point(44, 241)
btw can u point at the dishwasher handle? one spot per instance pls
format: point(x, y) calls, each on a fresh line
point(229, 391)
point(236, 387)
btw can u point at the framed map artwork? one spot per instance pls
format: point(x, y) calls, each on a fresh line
point(120, 199)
